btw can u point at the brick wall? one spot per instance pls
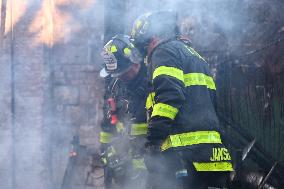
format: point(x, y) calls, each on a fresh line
point(50, 50)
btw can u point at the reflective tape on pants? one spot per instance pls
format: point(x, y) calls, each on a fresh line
point(213, 166)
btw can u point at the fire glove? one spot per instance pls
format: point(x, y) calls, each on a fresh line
point(153, 158)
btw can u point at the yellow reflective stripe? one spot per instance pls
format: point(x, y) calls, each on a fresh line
point(119, 127)
point(105, 137)
point(138, 163)
point(199, 79)
point(213, 166)
point(169, 71)
point(188, 79)
point(138, 129)
point(150, 100)
point(164, 110)
point(191, 138)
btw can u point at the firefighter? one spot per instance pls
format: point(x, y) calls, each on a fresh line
point(185, 146)
point(124, 127)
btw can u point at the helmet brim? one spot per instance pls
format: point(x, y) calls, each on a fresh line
point(103, 73)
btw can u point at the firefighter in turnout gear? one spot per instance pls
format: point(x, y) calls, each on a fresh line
point(124, 127)
point(184, 147)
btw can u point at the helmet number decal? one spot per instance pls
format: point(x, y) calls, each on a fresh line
point(109, 60)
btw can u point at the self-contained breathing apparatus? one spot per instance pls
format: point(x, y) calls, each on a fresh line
point(116, 157)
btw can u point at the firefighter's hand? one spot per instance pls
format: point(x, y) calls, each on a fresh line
point(103, 158)
point(153, 158)
point(152, 147)
point(106, 153)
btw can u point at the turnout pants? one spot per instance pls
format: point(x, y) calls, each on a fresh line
point(177, 169)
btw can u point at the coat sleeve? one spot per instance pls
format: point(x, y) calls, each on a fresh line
point(168, 84)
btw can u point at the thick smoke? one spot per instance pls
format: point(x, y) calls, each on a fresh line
point(37, 102)
point(204, 15)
